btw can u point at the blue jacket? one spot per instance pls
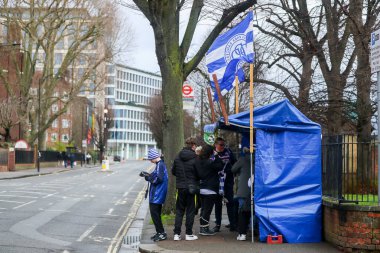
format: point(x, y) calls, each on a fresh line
point(158, 183)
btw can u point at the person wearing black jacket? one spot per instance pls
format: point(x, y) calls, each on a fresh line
point(184, 171)
point(207, 168)
point(226, 155)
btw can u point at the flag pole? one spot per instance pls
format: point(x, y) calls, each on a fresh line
point(211, 104)
point(220, 98)
point(236, 94)
point(251, 141)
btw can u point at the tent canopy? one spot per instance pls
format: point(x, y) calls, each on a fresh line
point(277, 116)
point(287, 191)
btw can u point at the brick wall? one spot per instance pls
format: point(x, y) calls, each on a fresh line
point(352, 228)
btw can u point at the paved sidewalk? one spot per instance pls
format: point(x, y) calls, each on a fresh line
point(225, 241)
point(43, 171)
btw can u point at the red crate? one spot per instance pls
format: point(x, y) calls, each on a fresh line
point(274, 239)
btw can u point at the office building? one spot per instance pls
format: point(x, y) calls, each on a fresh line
point(128, 92)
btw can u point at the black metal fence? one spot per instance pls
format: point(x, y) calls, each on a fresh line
point(26, 157)
point(3, 157)
point(349, 169)
point(23, 157)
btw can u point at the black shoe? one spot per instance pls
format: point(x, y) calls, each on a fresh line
point(154, 236)
point(216, 229)
point(206, 231)
point(160, 237)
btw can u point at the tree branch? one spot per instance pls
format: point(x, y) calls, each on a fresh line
point(227, 17)
point(191, 26)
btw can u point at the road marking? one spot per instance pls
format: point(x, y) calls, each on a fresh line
point(49, 195)
point(87, 232)
point(29, 227)
point(38, 193)
point(109, 211)
point(18, 196)
point(11, 201)
point(24, 204)
point(117, 240)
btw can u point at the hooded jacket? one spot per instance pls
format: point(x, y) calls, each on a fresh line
point(184, 163)
point(208, 169)
point(158, 183)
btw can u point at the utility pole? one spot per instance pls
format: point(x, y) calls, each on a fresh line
point(38, 125)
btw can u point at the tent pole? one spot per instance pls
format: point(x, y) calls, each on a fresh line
point(236, 94)
point(220, 97)
point(251, 142)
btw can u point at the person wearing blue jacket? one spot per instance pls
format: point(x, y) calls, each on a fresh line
point(158, 181)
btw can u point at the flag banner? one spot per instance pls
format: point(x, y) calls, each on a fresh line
point(209, 133)
point(229, 52)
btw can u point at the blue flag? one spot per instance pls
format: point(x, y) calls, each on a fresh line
point(229, 52)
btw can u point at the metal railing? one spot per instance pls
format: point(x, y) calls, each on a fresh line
point(27, 157)
point(349, 169)
point(3, 157)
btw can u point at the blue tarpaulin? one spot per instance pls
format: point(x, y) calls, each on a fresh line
point(288, 193)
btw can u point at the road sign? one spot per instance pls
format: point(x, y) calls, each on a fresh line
point(375, 51)
point(187, 91)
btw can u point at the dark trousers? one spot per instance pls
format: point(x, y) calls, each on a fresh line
point(244, 215)
point(185, 203)
point(155, 213)
point(207, 203)
point(229, 195)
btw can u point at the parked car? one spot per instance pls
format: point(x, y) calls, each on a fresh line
point(116, 158)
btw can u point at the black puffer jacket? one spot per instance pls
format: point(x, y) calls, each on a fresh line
point(207, 170)
point(184, 162)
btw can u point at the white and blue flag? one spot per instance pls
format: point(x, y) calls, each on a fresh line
point(229, 52)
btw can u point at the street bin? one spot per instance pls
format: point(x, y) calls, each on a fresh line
point(105, 165)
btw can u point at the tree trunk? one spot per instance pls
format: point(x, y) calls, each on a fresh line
point(305, 84)
point(361, 36)
point(172, 125)
point(335, 105)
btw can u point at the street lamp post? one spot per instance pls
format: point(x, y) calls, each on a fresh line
point(105, 131)
point(38, 125)
point(116, 135)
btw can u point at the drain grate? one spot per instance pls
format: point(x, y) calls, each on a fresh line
point(133, 241)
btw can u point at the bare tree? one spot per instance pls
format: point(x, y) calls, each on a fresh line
point(100, 132)
point(64, 41)
point(174, 59)
point(155, 117)
point(8, 115)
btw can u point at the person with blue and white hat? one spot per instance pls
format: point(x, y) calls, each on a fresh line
point(158, 181)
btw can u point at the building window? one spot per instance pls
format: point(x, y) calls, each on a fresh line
point(65, 138)
point(58, 58)
point(110, 69)
point(53, 137)
point(65, 123)
point(54, 108)
point(55, 123)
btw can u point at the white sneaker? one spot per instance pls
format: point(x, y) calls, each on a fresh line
point(241, 237)
point(191, 237)
point(177, 237)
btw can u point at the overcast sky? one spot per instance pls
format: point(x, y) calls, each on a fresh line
point(143, 54)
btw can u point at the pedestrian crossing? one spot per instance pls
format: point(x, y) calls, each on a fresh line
point(15, 196)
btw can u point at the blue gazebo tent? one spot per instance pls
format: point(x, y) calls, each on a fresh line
point(287, 193)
